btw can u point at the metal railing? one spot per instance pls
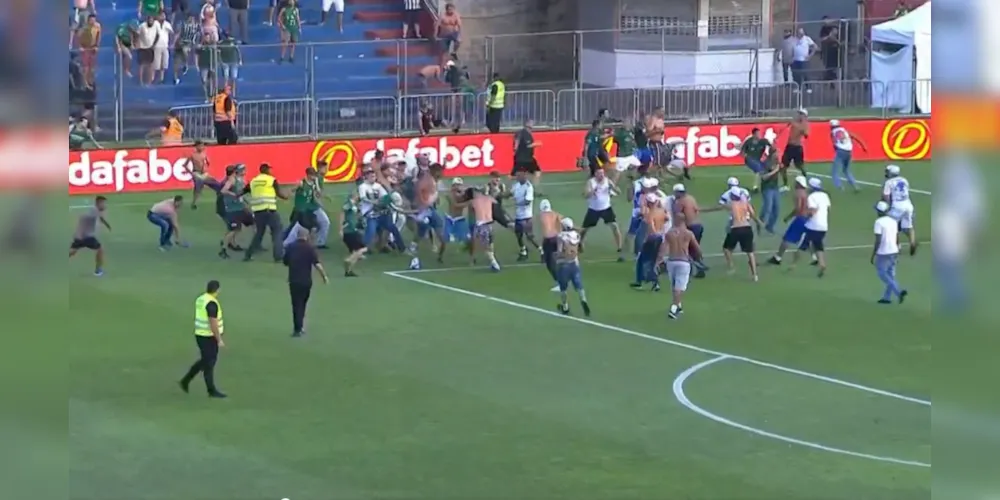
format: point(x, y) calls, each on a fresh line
point(388, 116)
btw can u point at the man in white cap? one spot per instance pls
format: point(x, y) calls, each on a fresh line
point(794, 154)
point(885, 253)
point(843, 149)
point(896, 192)
point(551, 222)
point(798, 217)
point(733, 188)
point(817, 224)
point(568, 267)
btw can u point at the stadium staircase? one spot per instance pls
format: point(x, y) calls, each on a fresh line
point(374, 65)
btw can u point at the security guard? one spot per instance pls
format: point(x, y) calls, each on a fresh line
point(172, 130)
point(264, 193)
point(495, 104)
point(208, 330)
point(224, 112)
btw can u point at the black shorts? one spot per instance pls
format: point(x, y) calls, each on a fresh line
point(307, 220)
point(550, 246)
point(793, 154)
point(813, 240)
point(145, 56)
point(411, 17)
point(499, 216)
point(235, 220)
point(742, 236)
point(353, 241)
point(529, 165)
point(89, 242)
point(594, 216)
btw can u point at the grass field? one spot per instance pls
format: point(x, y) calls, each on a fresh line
point(457, 383)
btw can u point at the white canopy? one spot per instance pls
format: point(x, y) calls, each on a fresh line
point(903, 30)
point(898, 81)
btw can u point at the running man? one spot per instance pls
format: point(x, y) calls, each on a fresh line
point(370, 192)
point(754, 149)
point(235, 212)
point(626, 159)
point(656, 219)
point(598, 192)
point(679, 249)
point(482, 234)
point(351, 227)
point(794, 154)
point(896, 192)
point(551, 222)
point(740, 233)
point(654, 128)
point(685, 205)
point(86, 233)
point(197, 164)
point(290, 25)
point(322, 218)
point(843, 149)
point(568, 267)
point(524, 152)
point(429, 222)
point(163, 215)
point(885, 253)
point(817, 224)
point(593, 148)
point(523, 194)
point(304, 208)
point(456, 225)
point(797, 227)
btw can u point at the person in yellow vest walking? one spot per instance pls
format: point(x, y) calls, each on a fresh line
point(224, 113)
point(495, 103)
point(171, 131)
point(208, 330)
point(264, 193)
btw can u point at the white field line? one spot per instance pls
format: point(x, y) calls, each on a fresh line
point(871, 184)
point(633, 333)
point(682, 398)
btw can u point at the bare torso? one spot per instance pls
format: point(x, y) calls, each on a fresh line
point(550, 224)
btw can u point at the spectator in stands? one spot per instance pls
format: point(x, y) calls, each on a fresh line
point(338, 7)
point(231, 58)
point(184, 44)
point(290, 26)
point(88, 38)
point(150, 8)
point(449, 30)
point(429, 120)
point(411, 18)
point(179, 11)
point(145, 38)
point(787, 54)
point(239, 20)
point(80, 134)
point(272, 7)
point(124, 41)
point(803, 51)
point(209, 23)
point(161, 47)
point(207, 57)
point(429, 73)
point(829, 39)
point(81, 10)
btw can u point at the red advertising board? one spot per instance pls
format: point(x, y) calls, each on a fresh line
point(468, 155)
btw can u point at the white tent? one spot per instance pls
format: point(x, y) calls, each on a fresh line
point(895, 72)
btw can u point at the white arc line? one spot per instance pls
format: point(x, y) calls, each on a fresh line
point(633, 333)
point(679, 394)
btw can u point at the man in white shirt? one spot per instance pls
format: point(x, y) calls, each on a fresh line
point(145, 38)
point(803, 50)
point(524, 198)
point(369, 194)
point(896, 192)
point(161, 47)
point(598, 192)
point(885, 253)
point(817, 223)
point(843, 150)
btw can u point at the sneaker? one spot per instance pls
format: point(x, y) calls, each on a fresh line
point(555, 289)
point(884, 301)
point(586, 308)
point(562, 309)
point(902, 296)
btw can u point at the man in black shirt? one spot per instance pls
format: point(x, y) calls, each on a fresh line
point(830, 48)
point(524, 152)
point(429, 120)
point(301, 258)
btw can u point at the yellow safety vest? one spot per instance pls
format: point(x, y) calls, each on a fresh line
point(219, 105)
point(262, 193)
point(201, 323)
point(174, 131)
point(497, 101)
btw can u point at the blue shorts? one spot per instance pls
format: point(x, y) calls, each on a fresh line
point(645, 155)
point(568, 273)
point(796, 229)
point(456, 229)
point(524, 226)
point(428, 221)
point(698, 231)
point(635, 225)
point(754, 164)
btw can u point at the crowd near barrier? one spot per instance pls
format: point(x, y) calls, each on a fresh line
point(568, 108)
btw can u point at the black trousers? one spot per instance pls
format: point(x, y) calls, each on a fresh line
point(300, 299)
point(264, 220)
point(225, 133)
point(493, 118)
point(209, 354)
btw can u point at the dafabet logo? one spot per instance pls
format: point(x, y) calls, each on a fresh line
point(906, 139)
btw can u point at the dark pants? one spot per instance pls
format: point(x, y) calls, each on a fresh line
point(209, 354)
point(493, 119)
point(300, 299)
point(264, 220)
point(786, 72)
point(799, 69)
point(166, 227)
point(225, 133)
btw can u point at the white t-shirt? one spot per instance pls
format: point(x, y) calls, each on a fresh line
point(524, 196)
point(146, 35)
point(370, 194)
point(166, 30)
point(600, 195)
point(820, 202)
point(898, 190)
point(800, 52)
point(842, 140)
point(888, 229)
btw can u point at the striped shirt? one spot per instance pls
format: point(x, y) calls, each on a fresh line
point(412, 5)
point(190, 34)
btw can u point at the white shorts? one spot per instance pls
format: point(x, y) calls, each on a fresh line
point(904, 214)
point(338, 5)
point(161, 58)
point(680, 274)
point(623, 163)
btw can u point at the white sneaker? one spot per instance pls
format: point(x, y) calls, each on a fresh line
point(783, 189)
point(555, 289)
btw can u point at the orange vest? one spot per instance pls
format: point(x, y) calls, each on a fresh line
point(221, 115)
point(174, 131)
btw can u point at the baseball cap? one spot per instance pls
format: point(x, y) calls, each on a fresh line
point(545, 206)
point(802, 181)
point(892, 169)
point(567, 223)
point(732, 182)
point(882, 207)
point(457, 181)
point(803, 111)
point(815, 183)
point(679, 188)
point(834, 123)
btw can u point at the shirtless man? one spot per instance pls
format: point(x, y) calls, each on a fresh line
point(86, 233)
point(163, 215)
point(428, 219)
point(655, 127)
point(449, 31)
point(456, 226)
point(741, 233)
point(798, 216)
point(655, 219)
point(685, 207)
point(198, 166)
point(551, 222)
point(568, 267)
point(794, 154)
point(482, 234)
point(681, 246)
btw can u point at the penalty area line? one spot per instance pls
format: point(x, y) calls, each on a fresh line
point(662, 340)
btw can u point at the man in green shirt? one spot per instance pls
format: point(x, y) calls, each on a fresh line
point(234, 210)
point(753, 151)
point(770, 192)
point(593, 147)
point(625, 160)
point(150, 8)
point(351, 233)
point(306, 202)
point(207, 57)
point(124, 37)
point(231, 59)
point(291, 29)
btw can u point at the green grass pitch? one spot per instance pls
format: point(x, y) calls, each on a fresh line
point(458, 383)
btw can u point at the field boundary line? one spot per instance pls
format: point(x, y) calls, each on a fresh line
point(646, 336)
point(682, 398)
